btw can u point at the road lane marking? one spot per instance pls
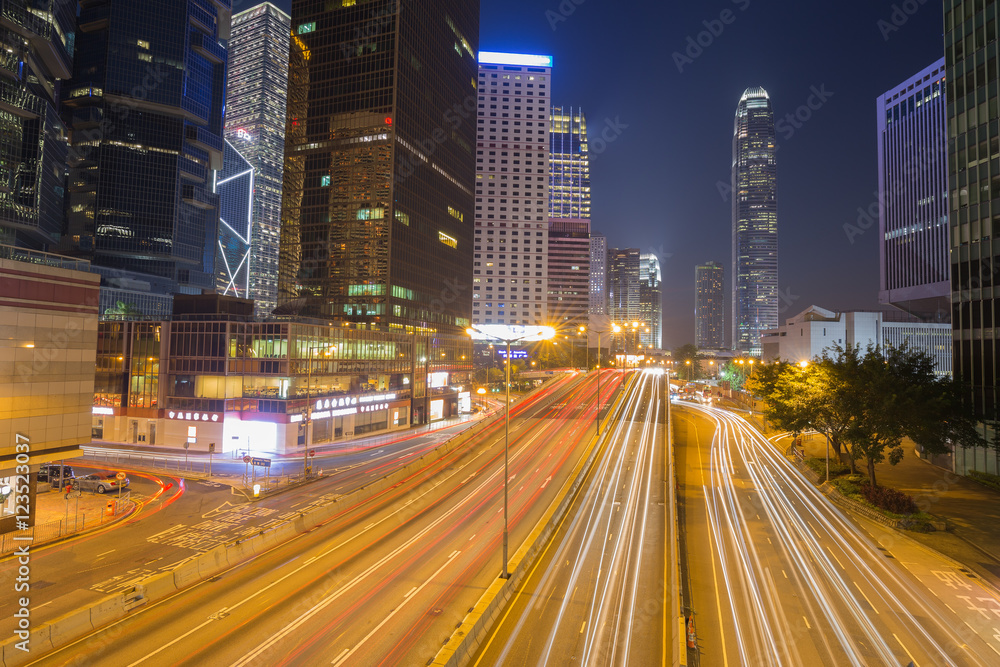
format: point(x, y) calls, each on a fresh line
point(582, 627)
point(344, 656)
point(836, 559)
point(412, 590)
point(866, 598)
point(104, 554)
point(807, 622)
point(912, 661)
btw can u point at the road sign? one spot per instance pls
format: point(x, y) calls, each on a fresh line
point(246, 459)
point(211, 448)
point(312, 452)
point(187, 444)
point(266, 463)
point(120, 475)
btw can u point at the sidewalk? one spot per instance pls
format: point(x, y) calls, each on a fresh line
point(972, 510)
point(56, 517)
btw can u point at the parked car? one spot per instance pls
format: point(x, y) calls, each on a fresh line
point(49, 472)
point(113, 476)
point(98, 483)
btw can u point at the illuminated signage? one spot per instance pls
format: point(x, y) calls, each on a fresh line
point(193, 416)
point(435, 380)
point(503, 332)
point(243, 134)
point(514, 354)
point(525, 59)
point(103, 411)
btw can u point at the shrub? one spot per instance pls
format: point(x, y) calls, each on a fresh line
point(818, 466)
point(888, 499)
point(985, 478)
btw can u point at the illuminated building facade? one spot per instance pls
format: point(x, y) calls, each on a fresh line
point(145, 106)
point(598, 274)
point(569, 272)
point(255, 125)
point(569, 164)
point(510, 266)
point(212, 374)
point(913, 185)
point(379, 164)
point(709, 309)
point(235, 186)
point(755, 222)
point(623, 284)
point(974, 208)
point(650, 301)
point(36, 40)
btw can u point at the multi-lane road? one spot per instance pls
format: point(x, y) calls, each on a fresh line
point(777, 575)
point(382, 582)
point(597, 595)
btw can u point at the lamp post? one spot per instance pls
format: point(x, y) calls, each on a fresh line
point(482, 404)
point(305, 454)
point(586, 344)
point(543, 335)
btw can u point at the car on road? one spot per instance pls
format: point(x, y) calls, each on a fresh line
point(98, 483)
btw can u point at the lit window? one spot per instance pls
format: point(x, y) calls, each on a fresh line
point(324, 181)
point(306, 28)
point(447, 240)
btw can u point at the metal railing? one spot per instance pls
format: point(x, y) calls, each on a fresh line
point(77, 522)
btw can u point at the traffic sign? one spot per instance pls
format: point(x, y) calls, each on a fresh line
point(246, 459)
point(312, 452)
point(120, 475)
point(211, 448)
point(266, 463)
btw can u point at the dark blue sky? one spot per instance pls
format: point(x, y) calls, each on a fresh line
point(655, 185)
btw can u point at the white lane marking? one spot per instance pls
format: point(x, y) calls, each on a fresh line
point(411, 592)
point(344, 656)
point(836, 559)
point(866, 598)
point(105, 553)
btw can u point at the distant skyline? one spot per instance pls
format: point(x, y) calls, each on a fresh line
point(665, 148)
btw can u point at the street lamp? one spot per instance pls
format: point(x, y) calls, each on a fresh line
point(482, 402)
point(309, 351)
point(544, 334)
point(687, 362)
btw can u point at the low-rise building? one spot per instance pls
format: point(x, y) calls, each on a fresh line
point(808, 334)
point(213, 375)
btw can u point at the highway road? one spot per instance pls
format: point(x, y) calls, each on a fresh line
point(778, 575)
point(180, 518)
point(382, 582)
point(597, 594)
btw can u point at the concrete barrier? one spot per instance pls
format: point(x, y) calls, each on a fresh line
point(159, 586)
point(107, 610)
point(38, 644)
point(186, 574)
point(212, 562)
point(66, 629)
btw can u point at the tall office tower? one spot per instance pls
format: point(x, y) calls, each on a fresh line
point(145, 106)
point(235, 186)
point(709, 309)
point(972, 64)
point(379, 163)
point(569, 272)
point(623, 284)
point(913, 186)
point(36, 40)
point(255, 124)
point(512, 190)
point(598, 274)
point(569, 164)
point(650, 301)
point(755, 222)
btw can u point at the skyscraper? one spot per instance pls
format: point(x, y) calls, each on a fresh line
point(709, 309)
point(569, 164)
point(378, 182)
point(972, 63)
point(569, 272)
point(598, 274)
point(913, 196)
point(235, 186)
point(255, 124)
point(650, 301)
point(755, 222)
point(36, 39)
point(623, 284)
point(512, 190)
point(145, 105)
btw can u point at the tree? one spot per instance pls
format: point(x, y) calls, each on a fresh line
point(124, 310)
point(681, 356)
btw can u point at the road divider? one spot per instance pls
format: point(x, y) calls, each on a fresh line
point(467, 638)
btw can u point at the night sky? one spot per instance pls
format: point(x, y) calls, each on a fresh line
point(655, 184)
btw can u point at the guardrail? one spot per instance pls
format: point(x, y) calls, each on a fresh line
point(77, 522)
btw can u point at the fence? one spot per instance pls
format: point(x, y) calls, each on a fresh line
point(77, 522)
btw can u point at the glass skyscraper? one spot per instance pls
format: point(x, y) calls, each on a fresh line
point(145, 106)
point(650, 301)
point(255, 124)
point(709, 309)
point(598, 274)
point(913, 196)
point(569, 164)
point(755, 222)
point(235, 185)
point(623, 284)
point(36, 51)
point(377, 213)
point(972, 61)
point(510, 267)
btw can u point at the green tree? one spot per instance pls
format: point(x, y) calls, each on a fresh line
point(681, 355)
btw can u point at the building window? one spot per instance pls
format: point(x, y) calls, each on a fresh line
point(447, 240)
